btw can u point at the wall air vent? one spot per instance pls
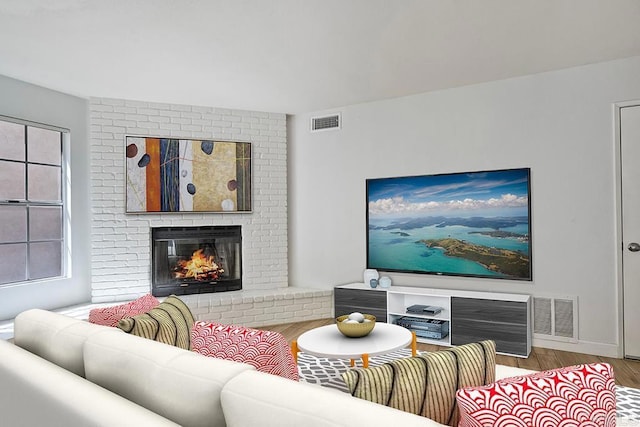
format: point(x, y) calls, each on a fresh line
point(329, 122)
point(556, 318)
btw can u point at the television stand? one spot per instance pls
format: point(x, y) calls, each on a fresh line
point(468, 316)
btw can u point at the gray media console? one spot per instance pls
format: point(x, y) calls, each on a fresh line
point(347, 301)
point(505, 322)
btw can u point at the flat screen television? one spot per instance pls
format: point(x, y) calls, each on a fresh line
point(475, 224)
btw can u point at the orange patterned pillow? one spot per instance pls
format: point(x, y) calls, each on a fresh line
point(110, 316)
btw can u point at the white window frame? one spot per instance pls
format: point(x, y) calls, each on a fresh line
point(65, 202)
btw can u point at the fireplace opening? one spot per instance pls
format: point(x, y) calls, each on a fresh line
point(196, 260)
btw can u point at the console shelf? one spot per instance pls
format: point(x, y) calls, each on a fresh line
point(466, 316)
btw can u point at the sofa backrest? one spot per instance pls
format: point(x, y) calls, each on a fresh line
point(178, 384)
point(36, 392)
point(260, 399)
point(55, 337)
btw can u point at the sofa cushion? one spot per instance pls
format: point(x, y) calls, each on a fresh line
point(109, 316)
point(55, 337)
point(267, 351)
point(575, 395)
point(180, 385)
point(258, 399)
point(426, 385)
point(169, 323)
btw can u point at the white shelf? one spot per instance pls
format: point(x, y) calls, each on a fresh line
point(419, 316)
point(398, 302)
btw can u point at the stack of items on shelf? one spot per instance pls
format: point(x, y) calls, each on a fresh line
point(425, 328)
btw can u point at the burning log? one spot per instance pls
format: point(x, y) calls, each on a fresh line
point(200, 267)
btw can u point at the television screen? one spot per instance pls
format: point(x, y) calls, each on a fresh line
point(463, 224)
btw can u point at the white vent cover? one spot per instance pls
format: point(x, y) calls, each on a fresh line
point(329, 122)
point(556, 318)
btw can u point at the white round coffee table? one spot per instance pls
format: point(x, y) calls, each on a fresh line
point(328, 341)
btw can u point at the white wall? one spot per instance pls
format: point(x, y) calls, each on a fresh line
point(560, 124)
point(28, 102)
point(121, 243)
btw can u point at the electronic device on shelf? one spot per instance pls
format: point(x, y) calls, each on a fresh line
point(426, 328)
point(430, 334)
point(429, 310)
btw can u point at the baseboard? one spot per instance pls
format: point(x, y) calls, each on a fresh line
point(584, 347)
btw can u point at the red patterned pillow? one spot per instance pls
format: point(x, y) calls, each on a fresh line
point(582, 395)
point(267, 351)
point(109, 316)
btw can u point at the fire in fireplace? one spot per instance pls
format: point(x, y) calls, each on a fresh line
point(194, 260)
point(199, 267)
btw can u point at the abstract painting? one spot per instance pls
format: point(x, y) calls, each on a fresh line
point(184, 175)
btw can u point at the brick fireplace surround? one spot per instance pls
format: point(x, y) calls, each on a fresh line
point(120, 242)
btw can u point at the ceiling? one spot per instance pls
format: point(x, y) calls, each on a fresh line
point(294, 56)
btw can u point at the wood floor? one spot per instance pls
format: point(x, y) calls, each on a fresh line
point(627, 372)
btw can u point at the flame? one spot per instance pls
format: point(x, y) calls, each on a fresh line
point(199, 267)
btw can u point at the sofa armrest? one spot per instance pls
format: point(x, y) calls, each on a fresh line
point(37, 392)
point(276, 401)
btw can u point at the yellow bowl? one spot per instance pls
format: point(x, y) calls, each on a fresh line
point(356, 330)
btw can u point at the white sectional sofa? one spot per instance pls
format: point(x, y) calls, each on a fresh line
point(66, 372)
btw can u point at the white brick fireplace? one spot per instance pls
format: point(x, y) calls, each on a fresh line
point(120, 250)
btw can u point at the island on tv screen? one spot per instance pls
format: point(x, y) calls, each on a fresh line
point(463, 224)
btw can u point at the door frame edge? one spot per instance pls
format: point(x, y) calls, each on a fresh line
point(617, 106)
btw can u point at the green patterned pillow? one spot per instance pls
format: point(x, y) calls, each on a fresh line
point(426, 385)
point(170, 322)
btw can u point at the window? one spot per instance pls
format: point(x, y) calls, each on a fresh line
point(32, 243)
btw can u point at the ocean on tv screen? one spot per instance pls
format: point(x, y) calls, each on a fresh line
point(480, 246)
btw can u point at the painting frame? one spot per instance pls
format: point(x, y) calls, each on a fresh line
point(472, 224)
point(187, 175)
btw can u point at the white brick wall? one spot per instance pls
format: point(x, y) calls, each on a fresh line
point(120, 247)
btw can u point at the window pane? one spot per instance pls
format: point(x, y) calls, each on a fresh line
point(12, 181)
point(14, 224)
point(44, 183)
point(11, 141)
point(13, 263)
point(45, 223)
point(44, 146)
point(45, 260)
point(32, 242)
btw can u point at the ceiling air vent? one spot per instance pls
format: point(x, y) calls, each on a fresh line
point(330, 122)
